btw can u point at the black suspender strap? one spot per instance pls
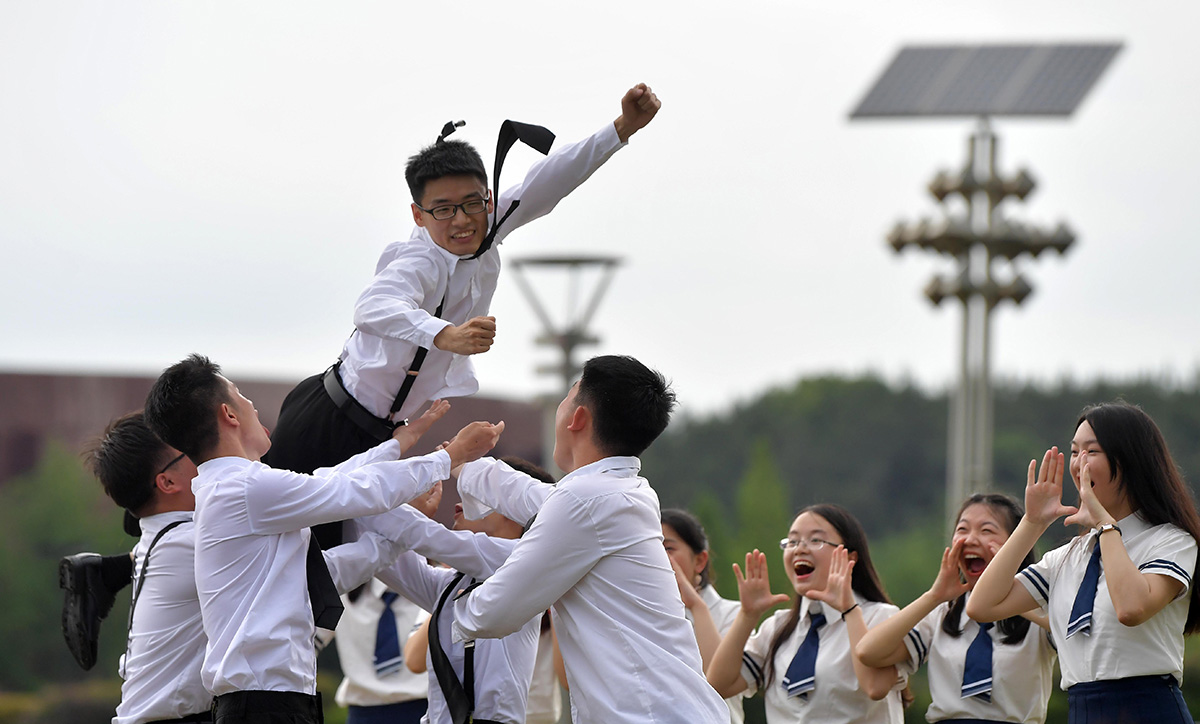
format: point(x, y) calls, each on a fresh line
point(536, 137)
point(137, 590)
point(460, 699)
point(415, 368)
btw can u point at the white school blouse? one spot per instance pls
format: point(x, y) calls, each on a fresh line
point(252, 536)
point(356, 632)
point(837, 698)
point(1022, 674)
point(166, 642)
point(1113, 650)
point(394, 314)
point(595, 553)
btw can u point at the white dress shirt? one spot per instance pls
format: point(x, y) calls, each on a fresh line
point(251, 547)
point(1114, 650)
point(394, 315)
point(838, 698)
point(545, 695)
point(1022, 673)
point(723, 612)
point(166, 642)
point(503, 668)
point(356, 633)
point(595, 554)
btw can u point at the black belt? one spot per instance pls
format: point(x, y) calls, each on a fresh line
point(204, 716)
point(240, 704)
point(376, 427)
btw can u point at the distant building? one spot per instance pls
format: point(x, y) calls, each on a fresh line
point(74, 409)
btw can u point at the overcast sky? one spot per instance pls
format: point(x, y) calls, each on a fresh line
point(220, 177)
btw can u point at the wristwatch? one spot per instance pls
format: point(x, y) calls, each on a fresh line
point(1101, 530)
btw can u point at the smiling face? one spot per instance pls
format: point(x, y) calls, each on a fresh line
point(982, 531)
point(463, 233)
point(1086, 450)
point(806, 568)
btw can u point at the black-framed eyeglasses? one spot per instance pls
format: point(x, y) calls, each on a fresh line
point(449, 211)
point(167, 467)
point(813, 544)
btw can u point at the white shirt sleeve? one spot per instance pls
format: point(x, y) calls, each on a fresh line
point(383, 452)
point(391, 305)
point(493, 483)
point(550, 179)
point(353, 564)
point(280, 501)
point(554, 554)
point(1039, 577)
point(416, 580)
point(1174, 557)
point(476, 554)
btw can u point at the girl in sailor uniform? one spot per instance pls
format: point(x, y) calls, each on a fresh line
point(711, 616)
point(1120, 596)
point(977, 673)
point(803, 659)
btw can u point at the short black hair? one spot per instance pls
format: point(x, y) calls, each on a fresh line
point(630, 403)
point(126, 459)
point(181, 407)
point(444, 158)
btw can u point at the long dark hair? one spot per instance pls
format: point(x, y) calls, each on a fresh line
point(691, 532)
point(1138, 457)
point(1010, 513)
point(863, 580)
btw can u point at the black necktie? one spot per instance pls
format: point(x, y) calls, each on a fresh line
point(977, 670)
point(322, 594)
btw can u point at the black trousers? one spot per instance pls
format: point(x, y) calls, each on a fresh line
point(312, 433)
point(267, 707)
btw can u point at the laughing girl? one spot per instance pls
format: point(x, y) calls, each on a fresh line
point(803, 658)
point(982, 674)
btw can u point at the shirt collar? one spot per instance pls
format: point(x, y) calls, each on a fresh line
point(617, 467)
point(210, 470)
point(151, 524)
point(1132, 524)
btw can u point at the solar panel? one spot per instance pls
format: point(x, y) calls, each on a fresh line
point(987, 80)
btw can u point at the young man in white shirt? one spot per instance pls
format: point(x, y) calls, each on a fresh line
point(252, 539)
point(161, 665)
point(594, 555)
point(433, 291)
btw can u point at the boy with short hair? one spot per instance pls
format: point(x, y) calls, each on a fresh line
point(433, 292)
point(594, 555)
point(252, 537)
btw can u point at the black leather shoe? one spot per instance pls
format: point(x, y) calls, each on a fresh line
point(86, 603)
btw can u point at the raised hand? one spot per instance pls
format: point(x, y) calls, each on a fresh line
point(429, 501)
point(1091, 512)
point(838, 592)
point(754, 589)
point(638, 107)
point(473, 442)
point(408, 435)
point(473, 336)
point(1043, 491)
point(689, 594)
point(949, 584)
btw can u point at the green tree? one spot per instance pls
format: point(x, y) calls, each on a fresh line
point(764, 515)
point(54, 510)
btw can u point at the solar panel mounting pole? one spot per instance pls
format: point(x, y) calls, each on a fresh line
point(574, 331)
point(1041, 80)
